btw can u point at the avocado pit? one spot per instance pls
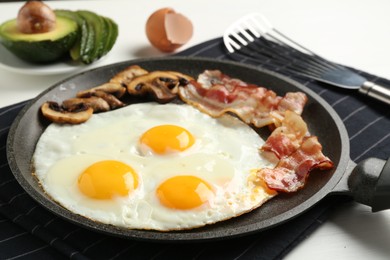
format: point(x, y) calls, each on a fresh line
point(36, 17)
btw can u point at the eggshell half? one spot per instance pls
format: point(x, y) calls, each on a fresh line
point(167, 30)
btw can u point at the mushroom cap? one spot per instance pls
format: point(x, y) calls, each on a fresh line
point(162, 84)
point(115, 89)
point(55, 113)
point(98, 104)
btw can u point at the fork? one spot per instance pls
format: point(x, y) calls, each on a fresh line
point(253, 37)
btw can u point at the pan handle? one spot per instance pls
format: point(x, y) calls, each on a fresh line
point(369, 183)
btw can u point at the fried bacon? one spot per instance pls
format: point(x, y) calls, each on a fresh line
point(291, 172)
point(297, 152)
point(289, 144)
point(215, 93)
point(293, 101)
point(287, 138)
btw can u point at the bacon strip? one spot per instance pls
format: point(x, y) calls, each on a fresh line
point(293, 101)
point(215, 93)
point(287, 138)
point(291, 172)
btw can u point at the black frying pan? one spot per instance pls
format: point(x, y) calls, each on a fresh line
point(368, 183)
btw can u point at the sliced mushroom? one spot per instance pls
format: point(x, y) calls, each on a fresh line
point(115, 89)
point(162, 84)
point(98, 104)
point(55, 113)
point(183, 78)
point(112, 101)
point(127, 75)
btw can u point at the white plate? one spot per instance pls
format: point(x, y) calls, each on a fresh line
point(12, 63)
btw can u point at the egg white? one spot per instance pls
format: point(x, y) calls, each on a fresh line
point(225, 154)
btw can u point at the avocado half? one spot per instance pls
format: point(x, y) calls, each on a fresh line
point(40, 47)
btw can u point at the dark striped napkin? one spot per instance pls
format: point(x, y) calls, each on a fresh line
point(29, 231)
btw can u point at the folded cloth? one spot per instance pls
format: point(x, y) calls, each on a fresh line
point(28, 230)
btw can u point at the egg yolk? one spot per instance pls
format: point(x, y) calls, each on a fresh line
point(105, 179)
point(184, 192)
point(167, 138)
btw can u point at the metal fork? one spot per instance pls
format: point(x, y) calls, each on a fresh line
point(253, 37)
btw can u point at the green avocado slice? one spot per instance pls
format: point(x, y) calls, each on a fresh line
point(112, 34)
point(40, 47)
point(82, 27)
point(97, 35)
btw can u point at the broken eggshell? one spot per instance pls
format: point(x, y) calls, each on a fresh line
point(167, 30)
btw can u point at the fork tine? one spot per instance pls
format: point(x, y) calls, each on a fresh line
point(231, 44)
point(233, 36)
point(239, 38)
point(245, 33)
point(231, 31)
point(252, 29)
point(264, 42)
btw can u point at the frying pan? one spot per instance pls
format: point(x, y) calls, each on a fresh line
point(367, 183)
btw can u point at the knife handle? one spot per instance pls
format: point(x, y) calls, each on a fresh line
point(375, 91)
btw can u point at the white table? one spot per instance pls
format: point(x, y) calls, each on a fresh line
point(351, 32)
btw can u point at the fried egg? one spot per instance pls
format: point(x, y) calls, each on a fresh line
point(152, 166)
